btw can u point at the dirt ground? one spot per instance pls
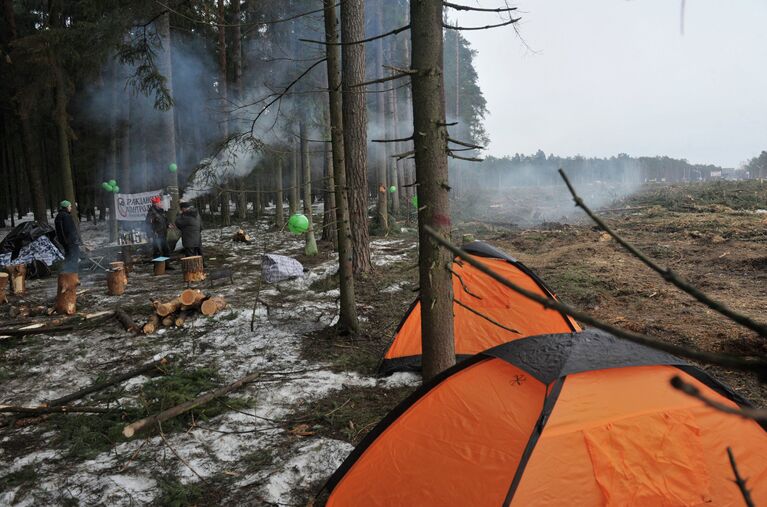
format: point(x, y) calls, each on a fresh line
point(274, 442)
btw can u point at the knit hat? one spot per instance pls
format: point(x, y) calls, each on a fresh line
point(65, 204)
point(156, 199)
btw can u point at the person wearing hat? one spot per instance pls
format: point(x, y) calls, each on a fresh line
point(67, 235)
point(157, 228)
point(190, 225)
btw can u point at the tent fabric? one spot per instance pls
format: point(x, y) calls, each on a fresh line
point(520, 316)
point(278, 268)
point(24, 234)
point(41, 249)
point(610, 432)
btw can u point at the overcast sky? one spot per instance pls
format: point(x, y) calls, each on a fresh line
point(602, 77)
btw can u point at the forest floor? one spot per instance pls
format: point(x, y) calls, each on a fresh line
point(276, 440)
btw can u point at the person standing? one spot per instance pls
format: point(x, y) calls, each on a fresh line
point(189, 223)
point(67, 235)
point(157, 225)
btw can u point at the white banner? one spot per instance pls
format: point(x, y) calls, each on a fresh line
point(133, 207)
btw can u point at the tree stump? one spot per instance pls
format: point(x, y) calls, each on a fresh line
point(116, 281)
point(18, 274)
point(66, 295)
point(212, 305)
point(193, 269)
point(119, 265)
point(3, 287)
point(159, 268)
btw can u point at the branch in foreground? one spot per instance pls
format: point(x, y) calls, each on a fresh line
point(740, 481)
point(666, 273)
point(690, 390)
point(400, 140)
point(728, 361)
point(381, 80)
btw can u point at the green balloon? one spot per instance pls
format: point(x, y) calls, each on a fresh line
point(392, 189)
point(298, 224)
point(115, 189)
point(106, 186)
point(414, 201)
point(172, 167)
point(112, 183)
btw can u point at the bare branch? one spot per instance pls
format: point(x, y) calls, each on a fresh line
point(451, 154)
point(740, 481)
point(489, 319)
point(486, 27)
point(666, 273)
point(750, 364)
point(745, 412)
point(463, 284)
point(401, 70)
point(363, 41)
point(477, 9)
point(231, 25)
point(381, 80)
point(464, 143)
point(400, 140)
point(400, 156)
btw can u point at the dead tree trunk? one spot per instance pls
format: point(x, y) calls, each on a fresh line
point(347, 319)
point(311, 242)
point(66, 294)
point(433, 190)
point(355, 121)
point(167, 120)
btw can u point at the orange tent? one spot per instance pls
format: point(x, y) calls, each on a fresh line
point(577, 419)
point(476, 293)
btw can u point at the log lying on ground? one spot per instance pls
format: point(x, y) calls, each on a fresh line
point(168, 321)
point(181, 318)
point(242, 236)
point(4, 277)
point(13, 409)
point(172, 412)
point(154, 366)
point(165, 309)
point(213, 305)
point(18, 275)
point(191, 298)
point(126, 320)
point(66, 295)
point(152, 324)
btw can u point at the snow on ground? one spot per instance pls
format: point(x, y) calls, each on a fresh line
point(128, 473)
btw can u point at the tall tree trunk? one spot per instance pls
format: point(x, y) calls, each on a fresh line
point(311, 242)
point(382, 164)
point(126, 183)
point(112, 163)
point(355, 121)
point(259, 197)
point(279, 218)
point(242, 197)
point(433, 191)
point(167, 120)
point(62, 125)
point(329, 201)
point(223, 92)
point(347, 319)
point(293, 195)
point(392, 130)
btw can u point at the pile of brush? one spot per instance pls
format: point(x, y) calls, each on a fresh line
point(175, 313)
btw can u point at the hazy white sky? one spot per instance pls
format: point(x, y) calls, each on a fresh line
point(608, 76)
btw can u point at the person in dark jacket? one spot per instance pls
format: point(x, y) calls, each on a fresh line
point(157, 228)
point(190, 225)
point(67, 235)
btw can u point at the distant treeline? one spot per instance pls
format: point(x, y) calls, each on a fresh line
point(540, 169)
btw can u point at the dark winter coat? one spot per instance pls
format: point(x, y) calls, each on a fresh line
point(190, 225)
point(157, 221)
point(66, 231)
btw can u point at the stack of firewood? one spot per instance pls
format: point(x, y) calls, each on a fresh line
point(176, 312)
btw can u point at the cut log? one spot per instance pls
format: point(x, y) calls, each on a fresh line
point(152, 324)
point(21, 312)
point(165, 309)
point(66, 294)
point(242, 236)
point(181, 318)
point(213, 305)
point(151, 367)
point(14, 409)
point(193, 269)
point(153, 420)
point(159, 268)
point(116, 281)
point(18, 275)
point(168, 321)
point(4, 277)
point(191, 298)
point(126, 320)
